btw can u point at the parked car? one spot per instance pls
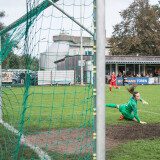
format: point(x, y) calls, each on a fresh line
point(15, 79)
point(34, 78)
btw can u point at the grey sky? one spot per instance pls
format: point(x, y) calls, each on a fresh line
point(16, 8)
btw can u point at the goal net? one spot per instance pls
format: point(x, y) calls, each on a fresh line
point(47, 82)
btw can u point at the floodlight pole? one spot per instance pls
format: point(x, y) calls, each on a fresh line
point(100, 79)
point(0, 82)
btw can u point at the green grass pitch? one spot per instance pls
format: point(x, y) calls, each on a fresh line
point(49, 108)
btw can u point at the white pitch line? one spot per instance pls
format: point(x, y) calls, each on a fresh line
point(149, 112)
point(39, 152)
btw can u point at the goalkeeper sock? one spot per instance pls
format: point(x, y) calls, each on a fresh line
point(111, 105)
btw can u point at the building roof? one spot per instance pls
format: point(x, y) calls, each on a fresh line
point(125, 59)
point(75, 40)
point(133, 59)
point(63, 59)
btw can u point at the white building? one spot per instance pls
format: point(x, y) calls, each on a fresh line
point(64, 45)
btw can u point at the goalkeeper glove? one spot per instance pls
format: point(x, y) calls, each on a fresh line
point(144, 102)
point(142, 122)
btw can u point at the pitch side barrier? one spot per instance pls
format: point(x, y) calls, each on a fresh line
point(56, 77)
point(141, 80)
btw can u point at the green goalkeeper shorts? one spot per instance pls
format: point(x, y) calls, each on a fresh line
point(125, 113)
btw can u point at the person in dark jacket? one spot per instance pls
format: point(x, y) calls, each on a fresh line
point(124, 78)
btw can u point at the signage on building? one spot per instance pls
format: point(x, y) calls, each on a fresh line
point(83, 63)
point(142, 80)
point(89, 66)
point(153, 80)
point(133, 80)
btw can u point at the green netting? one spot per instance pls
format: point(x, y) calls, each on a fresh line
point(46, 111)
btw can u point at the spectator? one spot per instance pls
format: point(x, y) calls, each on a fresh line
point(108, 78)
point(128, 73)
point(124, 78)
point(134, 75)
point(119, 74)
point(138, 75)
point(22, 78)
point(131, 75)
point(156, 74)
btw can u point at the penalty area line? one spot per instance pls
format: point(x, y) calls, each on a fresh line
point(39, 151)
point(149, 112)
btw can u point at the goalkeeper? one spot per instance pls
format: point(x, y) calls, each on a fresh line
point(131, 105)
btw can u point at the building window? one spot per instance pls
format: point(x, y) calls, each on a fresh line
point(88, 52)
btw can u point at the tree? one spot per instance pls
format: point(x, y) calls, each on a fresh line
point(27, 61)
point(138, 32)
point(10, 59)
point(2, 14)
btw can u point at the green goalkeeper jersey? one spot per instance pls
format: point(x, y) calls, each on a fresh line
point(129, 107)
